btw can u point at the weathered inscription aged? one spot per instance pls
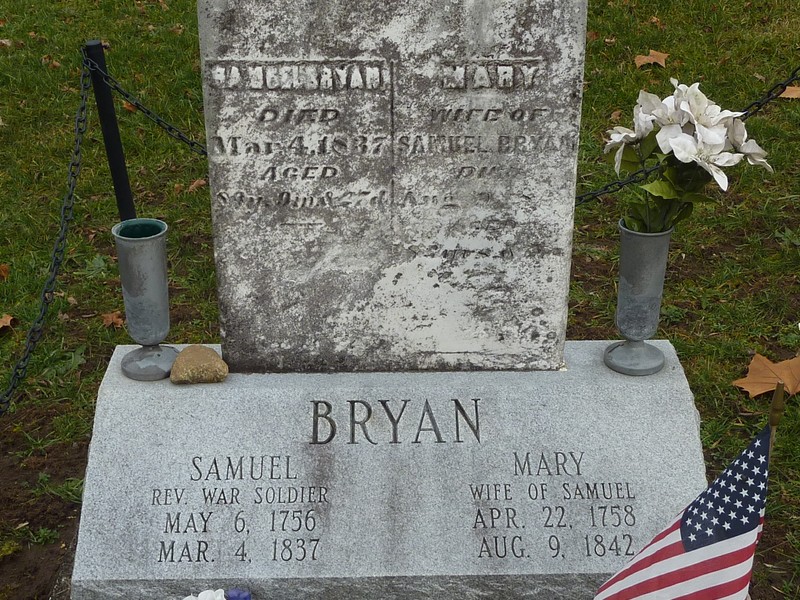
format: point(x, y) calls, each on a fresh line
point(392, 183)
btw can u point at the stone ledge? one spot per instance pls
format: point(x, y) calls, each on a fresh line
point(425, 511)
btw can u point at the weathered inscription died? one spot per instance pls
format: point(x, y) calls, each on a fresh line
point(343, 140)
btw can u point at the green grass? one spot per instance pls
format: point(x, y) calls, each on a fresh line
point(733, 286)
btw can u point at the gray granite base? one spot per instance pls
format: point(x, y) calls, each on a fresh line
point(384, 485)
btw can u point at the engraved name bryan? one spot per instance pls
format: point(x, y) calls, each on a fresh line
point(420, 423)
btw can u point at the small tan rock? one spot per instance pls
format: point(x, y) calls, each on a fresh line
point(198, 364)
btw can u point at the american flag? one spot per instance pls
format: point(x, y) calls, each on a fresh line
point(707, 552)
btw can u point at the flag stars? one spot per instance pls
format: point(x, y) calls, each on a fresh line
point(750, 481)
point(692, 537)
point(744, 519)
point(704, 516)
point(738, 477)
point(761, 485)
point(726, 526)
point(751, 508)
point(757, 443)
point(726, 498)
point(738, 504)
point(698, 526)
point(762, 458)
point(750, 454)
point(709, 531)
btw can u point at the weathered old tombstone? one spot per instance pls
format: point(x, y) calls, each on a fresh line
point(392, 191)
point(402, 175)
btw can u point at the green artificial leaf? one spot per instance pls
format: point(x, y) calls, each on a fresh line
point(634, 224)
point(691, 177)
point(630, 160)
point(648, 145)
point(695, 197)
point(684, 213)
point(661, 188)
point(671, 175)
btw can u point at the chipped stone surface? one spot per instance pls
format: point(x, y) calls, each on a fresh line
point(198, 364)
point(545, 484)
point(392, 182)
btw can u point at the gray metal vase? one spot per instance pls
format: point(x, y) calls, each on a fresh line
point(142, 255)
point(642, 266)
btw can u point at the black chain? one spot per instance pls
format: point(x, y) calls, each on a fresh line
point(60, 247)
point(134, 101)
point(642, 174)
point(774, 92)
point(615, 186)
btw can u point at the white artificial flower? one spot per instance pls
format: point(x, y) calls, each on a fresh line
point(620, 136)
point(668, 115)
point(709, 119)
point(709, 156)
point(755, 154)
point(208, 595)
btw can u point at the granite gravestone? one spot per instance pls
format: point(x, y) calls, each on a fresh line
point(393, 187)
point(532, 485)
point(392, 182)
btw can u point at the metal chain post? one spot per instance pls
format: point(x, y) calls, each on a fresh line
point(170, 129)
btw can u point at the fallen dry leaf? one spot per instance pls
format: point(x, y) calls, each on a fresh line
point(196, 185)
point(4, 271)
point(763, 376)
point(51, 62)
point(6, 43)
point(615, 116)
point(6, 321)
point(177, 29)
point(610, 41)
point(178, 188)
point(3, 22)
point(592, 36)
point(654, 58)
point(113, 319)
point(163, 4)
point(128, 106)
point(657, 22)
point(761, 78)
point(792, 91)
